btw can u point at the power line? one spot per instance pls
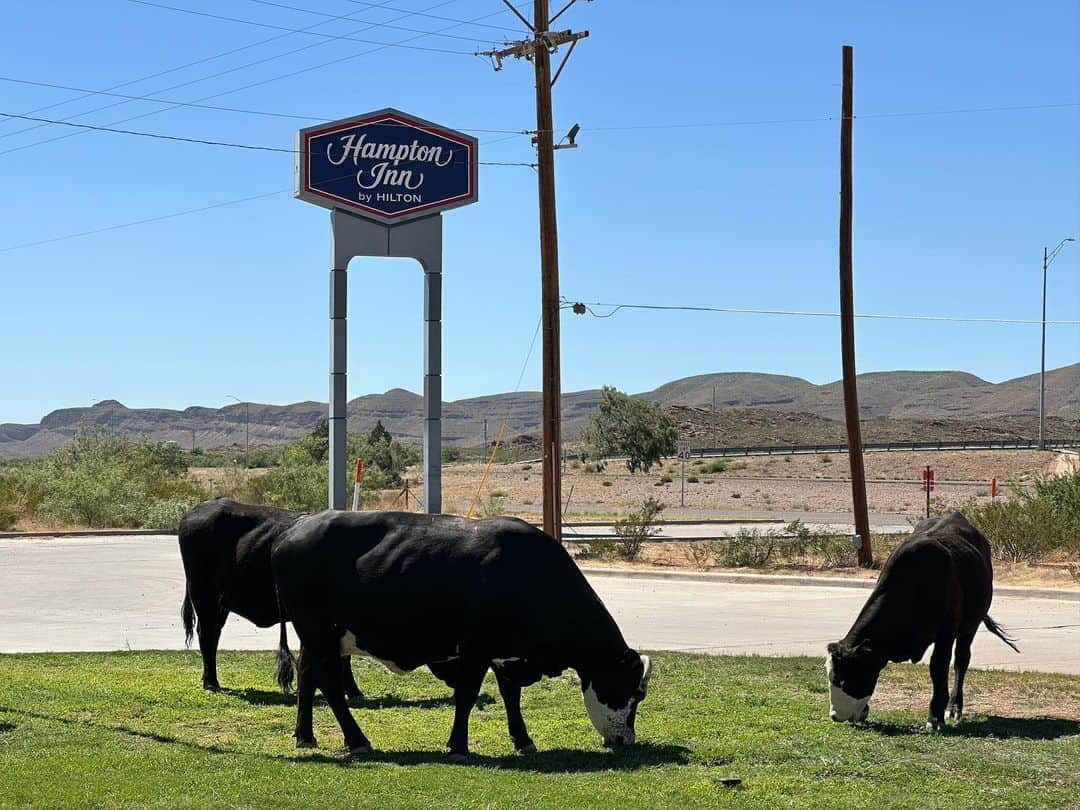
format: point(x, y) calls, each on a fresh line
point(827, 118)
point(176, 69)
point(451, 19)
point(304, 31)
point(220, 73)
point(200, 209)
point(214, 107)
point(581, 308)
point(143, 221)
point(327, 16)
point(204, 141)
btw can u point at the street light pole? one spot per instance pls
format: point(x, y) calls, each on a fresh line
point(247, 426)
point(1048, 256)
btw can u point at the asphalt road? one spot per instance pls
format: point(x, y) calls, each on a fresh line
point(124, 592)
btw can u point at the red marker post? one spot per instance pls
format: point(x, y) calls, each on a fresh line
point(928, 486)
point(357, 479)
point(993, 488)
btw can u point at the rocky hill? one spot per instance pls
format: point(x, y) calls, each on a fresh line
point(752, 407)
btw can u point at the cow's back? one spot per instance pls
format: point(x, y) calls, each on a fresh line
point(938, 580)
point(225, 546)
point(414, 587)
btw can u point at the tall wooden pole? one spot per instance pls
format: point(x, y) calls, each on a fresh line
point(549, 270)
point(847, 319)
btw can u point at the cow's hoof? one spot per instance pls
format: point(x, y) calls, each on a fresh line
point(954, 713)
point(457, 757)
point(933, 724)
point(360, 750)
point(527, 748)
point(211, 687)
point(306, 743)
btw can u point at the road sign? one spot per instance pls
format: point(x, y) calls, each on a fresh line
point(684, 450)
point(387, 166)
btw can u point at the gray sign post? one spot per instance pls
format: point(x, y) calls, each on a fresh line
point(386, 176)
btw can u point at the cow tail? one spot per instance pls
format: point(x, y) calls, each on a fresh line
point(1000, 632)
point(285, 669)
point(187, 614)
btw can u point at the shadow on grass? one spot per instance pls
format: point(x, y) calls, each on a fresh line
point(267, 697)
point(557, 760)
point(992, 726)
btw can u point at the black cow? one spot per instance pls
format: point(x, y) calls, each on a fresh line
point(460, 596)
point(935, 588)
point(226, 547)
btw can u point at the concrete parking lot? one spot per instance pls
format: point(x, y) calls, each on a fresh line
point(124, 592)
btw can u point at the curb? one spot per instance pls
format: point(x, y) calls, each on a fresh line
point(819, 582)
point(86, 533)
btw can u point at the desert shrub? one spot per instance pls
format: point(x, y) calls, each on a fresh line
point(1062, 493)
point(640, 525)
point(1021, 529)
point(691, 479)
point(749, 548)
point(666, 479)
point(599, 549)
point(100, 479)
point(494, 505)
point(451, 454)
point(1031, 525)
point(717, 465)
point(605, 483)
point(700, 554)
point(165, 515)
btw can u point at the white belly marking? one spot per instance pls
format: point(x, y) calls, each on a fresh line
point(348, 647)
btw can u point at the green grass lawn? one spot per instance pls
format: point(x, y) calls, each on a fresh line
point(135, 729)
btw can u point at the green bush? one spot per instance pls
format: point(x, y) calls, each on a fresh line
point(165, 515)
point(691, 479)
point(717, 465)
point(666, 479)
point(628, 426)
point(637, 527)
point(749, 548)
point(1031, 525)
point(101, 480)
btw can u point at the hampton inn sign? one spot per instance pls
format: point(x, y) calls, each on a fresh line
point(387, 177)
point(387, 166)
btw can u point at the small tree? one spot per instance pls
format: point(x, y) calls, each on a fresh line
point(635, 428)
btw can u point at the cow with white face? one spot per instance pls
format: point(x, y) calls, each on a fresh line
point(460, 597)
point(935, 588)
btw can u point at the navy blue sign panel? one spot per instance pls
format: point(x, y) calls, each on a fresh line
point(387, 166)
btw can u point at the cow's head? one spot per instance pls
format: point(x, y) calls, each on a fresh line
point(853, 674)
point(612, 695)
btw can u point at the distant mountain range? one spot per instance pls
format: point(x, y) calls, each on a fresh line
point(909, 397)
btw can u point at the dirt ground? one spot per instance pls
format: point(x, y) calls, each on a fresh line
point(986, 692)
point(753, 485)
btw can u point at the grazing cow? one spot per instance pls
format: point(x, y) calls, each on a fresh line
point(225, 547)
point(460, 596)
point(935, 589)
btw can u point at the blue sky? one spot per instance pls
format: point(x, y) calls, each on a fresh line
point(951, 210)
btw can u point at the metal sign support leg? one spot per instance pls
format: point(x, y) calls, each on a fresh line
point(419, 239)
point(338, 389)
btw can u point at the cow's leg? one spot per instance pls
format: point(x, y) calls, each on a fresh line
point(212, 618)
point(963, 658)
point(351, 689)
point(470, 676)
point(511, 695)
point(305, 698)
point(329, 677)
point(939, 676)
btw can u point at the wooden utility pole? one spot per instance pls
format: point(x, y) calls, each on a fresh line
point(549, 280)
point(538, 49)
point(847, 319)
